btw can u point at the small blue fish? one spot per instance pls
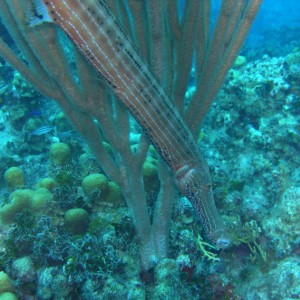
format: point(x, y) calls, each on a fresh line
point(34, 113)
point(66, 134)
point(40, 131)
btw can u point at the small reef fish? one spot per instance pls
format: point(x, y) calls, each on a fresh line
point(34, 113)
point(40, 131)
point(65, 134)
point(102, 41)
point(3, 88)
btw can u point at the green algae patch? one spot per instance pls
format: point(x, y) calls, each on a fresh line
point(77, 220)
point(95, 182)
point(47, 183)
point(14, 178)
point(114, 195)
point(39, 198)
point(60, 154)
point(150, 176)
point(8, 296)
point(22, 199)
point(64, 178)
point(6, 284)
point(240, 61)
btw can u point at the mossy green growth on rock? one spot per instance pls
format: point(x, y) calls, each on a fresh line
point(60, 154)
point(18, 201)
point(40, 197)
point(64, 178)
point(77, 220)
point(8, 296)
point(14, 178)
point(6, 284)
point(97, 224)
point(114, 195)
point(47, 183)
point(95, 182)
point(22, 199)
point(150, 175)
point(240, 61)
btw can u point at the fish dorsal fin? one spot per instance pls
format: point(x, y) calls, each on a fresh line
point(36, 13)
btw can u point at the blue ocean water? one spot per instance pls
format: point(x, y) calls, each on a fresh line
point(276, 26)
point(251, 140)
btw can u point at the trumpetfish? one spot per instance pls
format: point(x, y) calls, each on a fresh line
point(98, 35)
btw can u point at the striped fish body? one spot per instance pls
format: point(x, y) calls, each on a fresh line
point(102, 41)
point(42, 130)
point(99, 37)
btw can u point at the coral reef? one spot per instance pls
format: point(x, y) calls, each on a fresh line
point(60, 154)
point(94, 182)
point(6, 284)
point(23, 199)
point(77, 220)
point(283, 230)
point(66, 232)
point(14, 178)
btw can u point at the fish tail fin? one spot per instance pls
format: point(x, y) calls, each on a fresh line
point(36, 13)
